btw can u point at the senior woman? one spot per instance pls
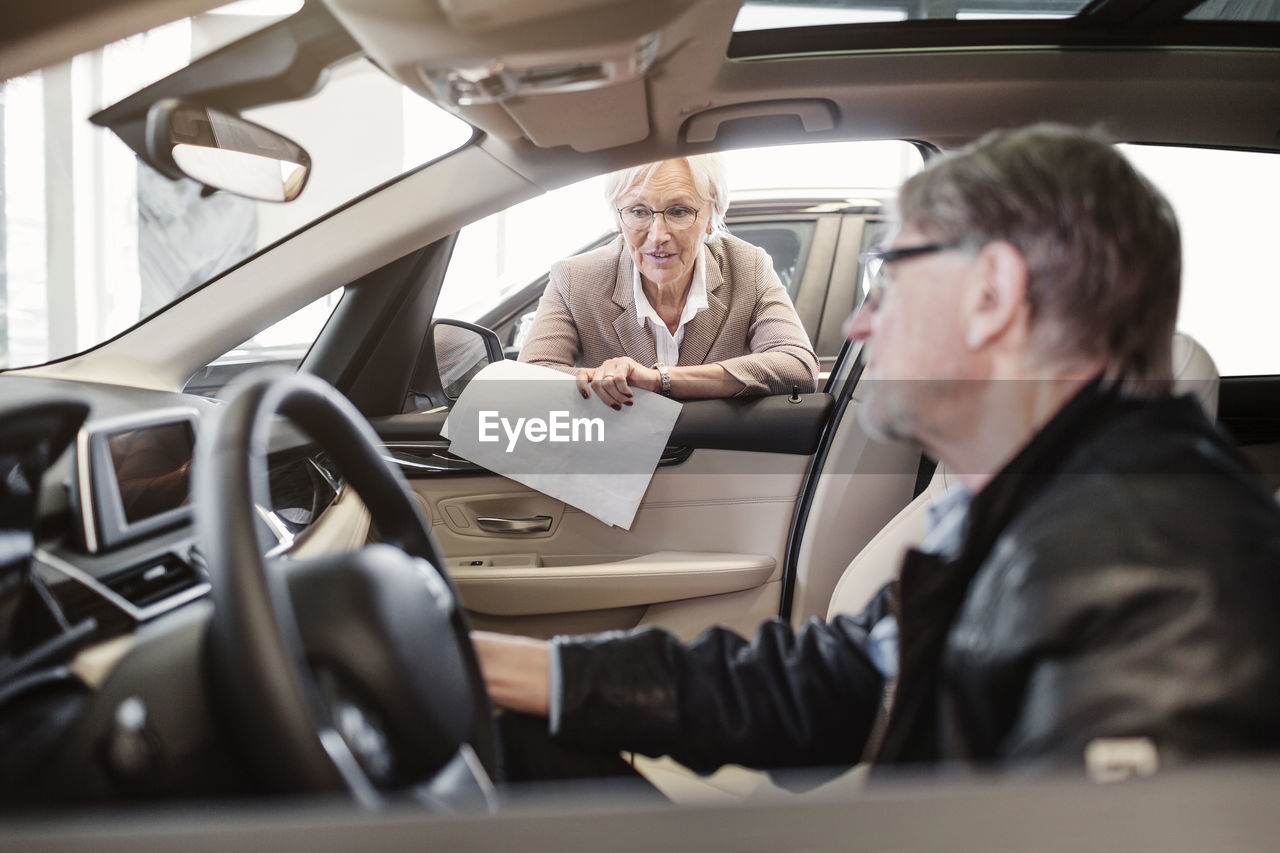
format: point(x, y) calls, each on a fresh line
point(675, 304)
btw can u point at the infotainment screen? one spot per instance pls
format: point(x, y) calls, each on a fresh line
point(135, 476)
point(153, 468)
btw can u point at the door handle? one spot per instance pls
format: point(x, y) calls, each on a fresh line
point(537, 524)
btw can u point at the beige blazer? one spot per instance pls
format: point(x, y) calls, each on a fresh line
point(749, 327)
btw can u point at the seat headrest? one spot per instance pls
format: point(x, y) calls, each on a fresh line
point(1195, 373)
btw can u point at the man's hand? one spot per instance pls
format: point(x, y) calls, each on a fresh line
point(613, 380)
point(515, 671)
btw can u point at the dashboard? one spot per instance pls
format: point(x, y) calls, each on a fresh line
point(98, 550)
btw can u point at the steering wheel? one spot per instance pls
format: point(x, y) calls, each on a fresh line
point(351, 672)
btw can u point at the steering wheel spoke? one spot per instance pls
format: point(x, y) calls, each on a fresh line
point(362, 790)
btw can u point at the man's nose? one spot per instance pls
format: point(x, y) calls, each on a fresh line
point(858, 326)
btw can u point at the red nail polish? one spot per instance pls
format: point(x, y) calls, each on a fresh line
point(617, 408)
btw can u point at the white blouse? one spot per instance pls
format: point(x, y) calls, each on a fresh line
point(666, 344)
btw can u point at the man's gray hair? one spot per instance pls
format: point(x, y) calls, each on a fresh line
point(1101, 243)
point(710, 180)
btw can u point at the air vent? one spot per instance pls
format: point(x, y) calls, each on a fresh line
point(128, 596)
point(151, 583)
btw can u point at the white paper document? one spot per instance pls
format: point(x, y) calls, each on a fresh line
point(531, 425)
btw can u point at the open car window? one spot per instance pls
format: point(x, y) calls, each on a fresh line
point(503, 253)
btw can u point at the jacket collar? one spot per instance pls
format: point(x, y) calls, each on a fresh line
point(931, 590)
point(704, 328)
point(636, 341)
point(1040, 458)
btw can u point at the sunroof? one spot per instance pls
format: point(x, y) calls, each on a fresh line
point(1236, 10)
point(779, 14)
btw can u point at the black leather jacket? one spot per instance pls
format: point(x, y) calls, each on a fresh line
point(1119, 578)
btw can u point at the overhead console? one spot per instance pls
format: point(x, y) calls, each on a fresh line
point(555, 72)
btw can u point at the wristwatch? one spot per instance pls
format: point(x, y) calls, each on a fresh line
point(664, 373)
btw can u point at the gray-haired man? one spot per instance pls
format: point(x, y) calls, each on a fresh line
point(1109, 572)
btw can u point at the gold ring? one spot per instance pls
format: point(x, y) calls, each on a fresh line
point(608, 376)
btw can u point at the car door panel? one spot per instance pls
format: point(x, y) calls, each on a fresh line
point(706, 546)
point(709, 528)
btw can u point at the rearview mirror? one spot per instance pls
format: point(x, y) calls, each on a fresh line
point(452, 353)
point(225, 152)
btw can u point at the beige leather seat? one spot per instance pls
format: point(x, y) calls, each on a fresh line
point(877, 563)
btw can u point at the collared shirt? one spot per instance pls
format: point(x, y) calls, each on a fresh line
point(666, 344)
point(944, 536)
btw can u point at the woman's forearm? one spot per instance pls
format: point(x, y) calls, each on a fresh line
point(703, 381)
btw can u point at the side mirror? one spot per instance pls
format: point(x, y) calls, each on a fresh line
point(452, 352)
point(225, 152)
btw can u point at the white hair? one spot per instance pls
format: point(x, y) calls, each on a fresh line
point(710, 180)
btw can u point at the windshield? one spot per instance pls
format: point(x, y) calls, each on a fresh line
point(92, 239)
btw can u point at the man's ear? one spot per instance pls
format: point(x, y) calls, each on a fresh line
point(997, 297)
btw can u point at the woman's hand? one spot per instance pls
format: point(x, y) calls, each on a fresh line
point(613, 380)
